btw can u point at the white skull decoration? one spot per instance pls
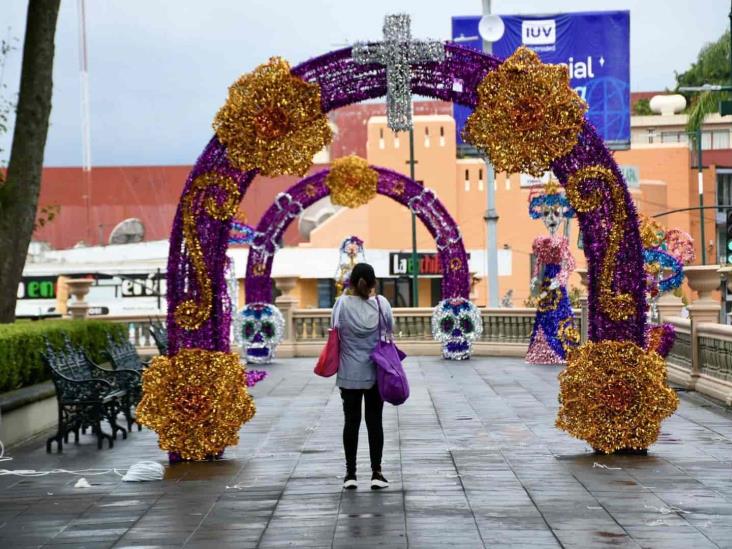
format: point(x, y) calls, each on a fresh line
point(456, 323)
point(552, 215)
point(259, 329)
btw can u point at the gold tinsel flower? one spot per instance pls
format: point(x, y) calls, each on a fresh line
point(527, 115)
point(651, 231)
point(273, 121)
point(352, 183)
point(613, 395)
point(196, 401)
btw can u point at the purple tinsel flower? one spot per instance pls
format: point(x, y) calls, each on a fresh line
point(255, 376)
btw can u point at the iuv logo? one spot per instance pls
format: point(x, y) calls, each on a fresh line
point(538, 32)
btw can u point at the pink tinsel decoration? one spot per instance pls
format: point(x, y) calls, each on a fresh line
point(541, 353)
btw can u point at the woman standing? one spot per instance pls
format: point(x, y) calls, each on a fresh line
point(357, 317)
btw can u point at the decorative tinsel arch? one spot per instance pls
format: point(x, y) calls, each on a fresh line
point(199, 235)
point(428, 208)
point(526, 118)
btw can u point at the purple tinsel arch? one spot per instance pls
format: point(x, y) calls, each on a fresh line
point(342, 82)
point(427, 207)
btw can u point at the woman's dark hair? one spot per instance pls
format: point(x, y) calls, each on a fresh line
point(363, 280)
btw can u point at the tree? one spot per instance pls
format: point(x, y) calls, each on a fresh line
point(642, 107)
point(19, 193)
point(712, 66)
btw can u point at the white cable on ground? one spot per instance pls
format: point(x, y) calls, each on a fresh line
point(141, 471)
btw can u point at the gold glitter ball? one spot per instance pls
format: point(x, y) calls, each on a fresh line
point(614, 395)
point(527, 115)
point(273, 121)
point(351, 182)
point(196, 401)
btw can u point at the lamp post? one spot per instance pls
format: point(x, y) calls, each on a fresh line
point(700, 184)
point(491, 215)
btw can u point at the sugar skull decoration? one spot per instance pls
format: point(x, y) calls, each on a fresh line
point(351, 252)
point(456, 323)
point(259, 329)
point(550, 205)
point(554, 333)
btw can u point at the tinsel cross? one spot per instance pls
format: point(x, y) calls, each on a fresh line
point(398, 52)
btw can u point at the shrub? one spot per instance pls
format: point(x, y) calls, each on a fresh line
point(21, 345)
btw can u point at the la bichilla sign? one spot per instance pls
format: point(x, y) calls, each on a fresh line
point(595, 47)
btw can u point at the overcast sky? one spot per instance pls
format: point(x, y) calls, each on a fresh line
point(159, 69)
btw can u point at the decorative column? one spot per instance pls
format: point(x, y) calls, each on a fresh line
point(703, 279)
point(79, 288)
point(287, 304)
point(584, 302)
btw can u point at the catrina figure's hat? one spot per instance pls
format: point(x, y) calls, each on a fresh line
point(547, 196)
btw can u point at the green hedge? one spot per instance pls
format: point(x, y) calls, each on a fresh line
point(21, 345)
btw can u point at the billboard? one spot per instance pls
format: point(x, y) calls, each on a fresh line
point(595, 46)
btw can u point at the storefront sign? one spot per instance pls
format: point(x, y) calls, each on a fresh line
point(400, 264)
point(37, 287)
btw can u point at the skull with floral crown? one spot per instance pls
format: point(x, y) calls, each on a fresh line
point(259, 328)
point(456, 323)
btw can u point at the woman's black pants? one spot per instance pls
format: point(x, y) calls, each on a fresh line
point(352, 412)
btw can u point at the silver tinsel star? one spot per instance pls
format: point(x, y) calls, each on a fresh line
point(398, 52)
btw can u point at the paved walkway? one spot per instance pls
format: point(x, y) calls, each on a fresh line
point(473, 458)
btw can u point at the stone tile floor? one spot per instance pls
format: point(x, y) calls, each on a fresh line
point(473, 458)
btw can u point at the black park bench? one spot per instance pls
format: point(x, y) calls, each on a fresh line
point(87, 394)
point(123, 357)
point(159, 333)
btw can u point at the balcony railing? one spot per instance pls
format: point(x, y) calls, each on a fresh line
point(700, 359)
point(415, 324)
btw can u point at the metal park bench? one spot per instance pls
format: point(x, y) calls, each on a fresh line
point(87, 395)
point(124, 357)
point(160, 336)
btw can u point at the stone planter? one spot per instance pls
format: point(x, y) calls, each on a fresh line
point(703, 279)
point(285, 284)
point(79, 288)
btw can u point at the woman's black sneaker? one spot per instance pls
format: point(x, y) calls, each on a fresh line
point(378, 481)
point(350, 483)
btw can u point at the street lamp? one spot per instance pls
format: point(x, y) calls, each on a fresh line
point(491, 29)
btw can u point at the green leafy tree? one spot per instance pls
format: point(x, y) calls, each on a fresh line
point(19, 192)
point(642, 107)
point(712, 66)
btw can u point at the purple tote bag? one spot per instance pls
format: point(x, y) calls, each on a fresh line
point(390, 376)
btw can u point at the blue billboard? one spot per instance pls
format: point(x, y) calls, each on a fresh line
point(595, 46)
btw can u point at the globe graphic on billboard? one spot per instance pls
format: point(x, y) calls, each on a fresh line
point(609, 104)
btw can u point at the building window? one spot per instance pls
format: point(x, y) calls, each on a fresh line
point(720, 139)
point(326, 293)
point(397, 291)
point(706, 141)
